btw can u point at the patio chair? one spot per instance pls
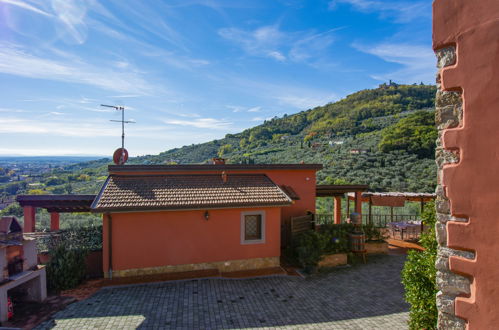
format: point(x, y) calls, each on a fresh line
point(394, 229)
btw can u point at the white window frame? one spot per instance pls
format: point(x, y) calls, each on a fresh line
point(243, 227)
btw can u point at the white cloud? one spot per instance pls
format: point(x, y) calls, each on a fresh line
point(418, 62)
point(10, 110)
point(401, 11)
point(311, 45)
point(71, 20)
point(23, 5)
point(209, 123)
point(16, 61)
point(234, 108)
point(51, 152)
point(255, 109)
point(271, 42)
point(264, 41)
point(277, 56)
point(65, 128)
point(305, 102)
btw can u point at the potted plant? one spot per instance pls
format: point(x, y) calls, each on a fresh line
point(375, 239)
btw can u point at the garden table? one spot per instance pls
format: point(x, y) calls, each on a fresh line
point(403, 227)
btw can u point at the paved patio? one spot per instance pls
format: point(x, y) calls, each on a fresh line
point(359, 297)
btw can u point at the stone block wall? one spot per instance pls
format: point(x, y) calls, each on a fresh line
point(222, 266)
point(449, 114)
point(466, 41)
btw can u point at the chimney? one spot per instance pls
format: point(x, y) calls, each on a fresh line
point(224, 177)
point(218, 161)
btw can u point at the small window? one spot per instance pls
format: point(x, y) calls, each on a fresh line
point(252, 227)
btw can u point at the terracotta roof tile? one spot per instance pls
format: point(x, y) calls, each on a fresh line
point(177, 192)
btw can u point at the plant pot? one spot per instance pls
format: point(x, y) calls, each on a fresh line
point(377, 247)
point(333, 260)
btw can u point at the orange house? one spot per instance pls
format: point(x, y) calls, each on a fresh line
point(177, 218)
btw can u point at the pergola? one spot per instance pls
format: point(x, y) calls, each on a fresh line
point(338, 192)
point(54, 204)
point(392, 199)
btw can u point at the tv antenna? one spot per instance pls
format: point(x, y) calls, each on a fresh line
point(121, 155)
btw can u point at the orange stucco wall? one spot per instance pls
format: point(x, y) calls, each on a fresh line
point(472, 185)
point(155, 239)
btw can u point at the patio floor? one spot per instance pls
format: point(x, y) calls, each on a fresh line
point(362, 296)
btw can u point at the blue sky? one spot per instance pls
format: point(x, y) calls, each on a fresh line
point(190, 71)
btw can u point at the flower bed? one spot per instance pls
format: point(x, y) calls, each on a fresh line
point(333, 260)
point(329, 245)
point(377, 247)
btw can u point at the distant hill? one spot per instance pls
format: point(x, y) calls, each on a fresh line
point(384, 137)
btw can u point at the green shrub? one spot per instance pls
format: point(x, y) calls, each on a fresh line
point(419, 277)
point(83, 238)
point(374, 234)
point(308, 248)
point(67, 250)
point(66, 268)
point(335, 237)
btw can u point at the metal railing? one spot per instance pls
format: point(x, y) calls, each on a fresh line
point(379, 220)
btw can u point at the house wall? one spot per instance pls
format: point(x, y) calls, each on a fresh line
point(465, 38)
point(172, 241)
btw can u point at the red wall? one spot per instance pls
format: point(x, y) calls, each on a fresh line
point(153, 239)
point(472, 185)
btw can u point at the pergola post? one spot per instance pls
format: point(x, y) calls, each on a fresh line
point(370, 211)
point(29, 219)
point(54, 221)
point(337, 210)
point(358, 203)
point(422, 209)
point(348, 206)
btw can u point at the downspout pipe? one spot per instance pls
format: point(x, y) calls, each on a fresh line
point(110, 245)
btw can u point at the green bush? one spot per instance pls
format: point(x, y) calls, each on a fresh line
point(66, 268)
point(374, 234)
point(335, 238)
point(308, 248)
point(67, 250)
point(80, 238)
point(419, 277)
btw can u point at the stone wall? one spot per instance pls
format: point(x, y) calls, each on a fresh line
point(221, 266)
point(465, 39)
point(449, 114)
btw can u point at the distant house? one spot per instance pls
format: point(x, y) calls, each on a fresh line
point(316, 145)
point(177, 218)
point(358, 151)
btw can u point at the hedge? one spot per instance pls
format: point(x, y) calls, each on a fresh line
point(419, 277)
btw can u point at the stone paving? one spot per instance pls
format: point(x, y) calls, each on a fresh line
point(358, 297)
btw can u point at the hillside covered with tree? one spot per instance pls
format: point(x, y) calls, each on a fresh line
point(384, 137)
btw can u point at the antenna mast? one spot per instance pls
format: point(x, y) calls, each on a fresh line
point(123, 122)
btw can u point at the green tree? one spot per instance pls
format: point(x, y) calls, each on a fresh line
point(419, 277)
point(416, 133)
point(224, 150)
point(13, 209)
point(54, 181)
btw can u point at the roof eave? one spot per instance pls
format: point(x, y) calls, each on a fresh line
point(133, 209)
point(211, 167)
